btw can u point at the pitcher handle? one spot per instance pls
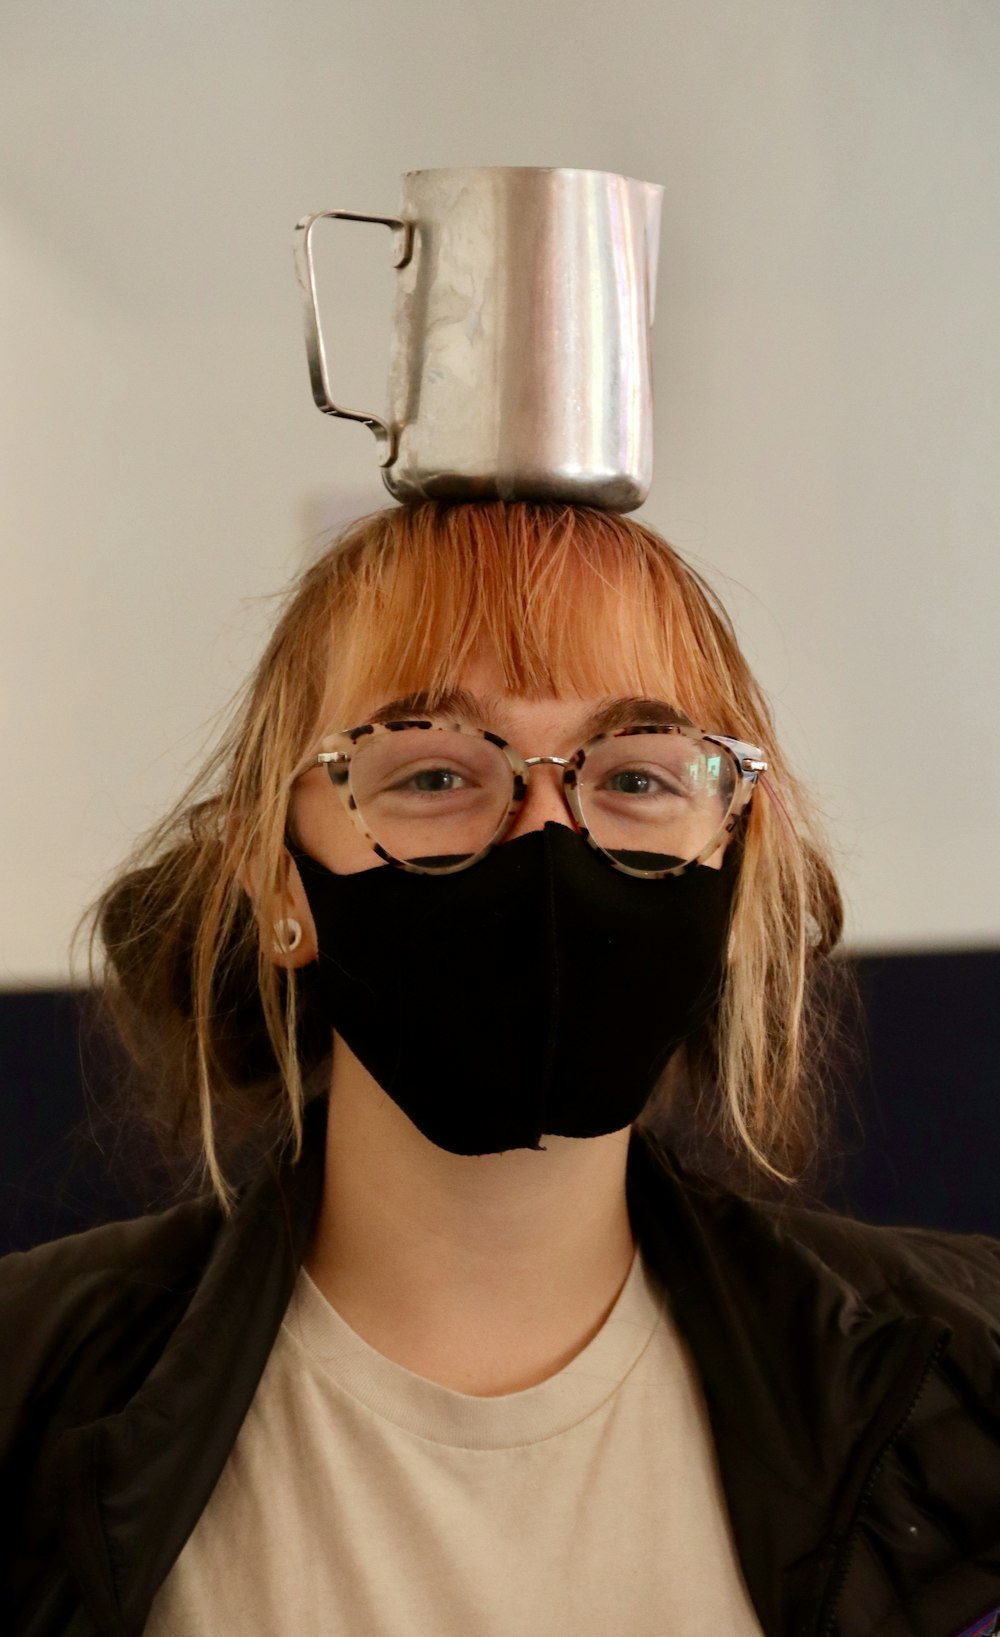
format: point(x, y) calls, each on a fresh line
point(385, 435)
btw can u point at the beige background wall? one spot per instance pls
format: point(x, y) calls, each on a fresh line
point(827, 368)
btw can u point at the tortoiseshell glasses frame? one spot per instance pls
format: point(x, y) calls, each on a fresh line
point(338, 749)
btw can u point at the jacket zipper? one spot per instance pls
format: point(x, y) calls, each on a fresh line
point(837, 1588)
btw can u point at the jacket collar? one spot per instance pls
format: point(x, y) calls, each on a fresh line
point(805, 1379)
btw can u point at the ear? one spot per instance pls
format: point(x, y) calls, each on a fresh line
point(290, 905)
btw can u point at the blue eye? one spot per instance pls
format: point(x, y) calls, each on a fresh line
point(426, 780)
point(629, 782)
point(641, 781)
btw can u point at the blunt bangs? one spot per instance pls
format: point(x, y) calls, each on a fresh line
point(568, 602)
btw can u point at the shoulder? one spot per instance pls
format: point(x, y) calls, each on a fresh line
point(912, 1270)
point(108, 1291)
point(155, 1248)
point(926, 1270)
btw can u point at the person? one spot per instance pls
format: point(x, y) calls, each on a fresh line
point(497, 899)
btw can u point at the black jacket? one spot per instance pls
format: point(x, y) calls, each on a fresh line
point(852, 1375)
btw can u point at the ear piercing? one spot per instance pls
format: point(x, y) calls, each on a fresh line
point(287, 936)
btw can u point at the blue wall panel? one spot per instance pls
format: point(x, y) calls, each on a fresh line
point(923, 1146)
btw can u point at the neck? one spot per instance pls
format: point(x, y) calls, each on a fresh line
point(487, 1273)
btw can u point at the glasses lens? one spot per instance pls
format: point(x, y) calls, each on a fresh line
point(655, 799)
point(430, 796)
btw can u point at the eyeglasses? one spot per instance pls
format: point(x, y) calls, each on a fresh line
point(434, 797)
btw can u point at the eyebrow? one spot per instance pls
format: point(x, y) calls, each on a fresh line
point(627, 712)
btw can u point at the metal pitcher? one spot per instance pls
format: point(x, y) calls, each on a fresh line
point(520, 359)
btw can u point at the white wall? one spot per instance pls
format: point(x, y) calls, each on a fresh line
point(827, 369)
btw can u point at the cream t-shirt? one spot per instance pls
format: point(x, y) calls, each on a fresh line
point(361, 1500)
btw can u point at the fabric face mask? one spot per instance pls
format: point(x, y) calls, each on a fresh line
point(538, 991)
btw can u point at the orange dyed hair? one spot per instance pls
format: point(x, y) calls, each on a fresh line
point(570, 601)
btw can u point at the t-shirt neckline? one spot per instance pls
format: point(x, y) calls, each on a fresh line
point(329, 1346)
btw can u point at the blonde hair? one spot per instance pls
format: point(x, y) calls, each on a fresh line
point(569, 601)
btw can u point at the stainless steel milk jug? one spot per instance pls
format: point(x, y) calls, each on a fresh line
point(520, 355)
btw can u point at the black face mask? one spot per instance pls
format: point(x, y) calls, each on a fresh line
point(538, 991)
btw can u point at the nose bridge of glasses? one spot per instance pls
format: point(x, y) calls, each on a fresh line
point(536, 794)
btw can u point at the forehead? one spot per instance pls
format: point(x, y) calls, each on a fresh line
point(482, 691)
point(481, 694)
point(508, 712)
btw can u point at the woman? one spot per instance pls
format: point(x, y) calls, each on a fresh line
point(499, 875)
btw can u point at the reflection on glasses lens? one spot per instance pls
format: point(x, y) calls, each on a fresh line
point(434, 797)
